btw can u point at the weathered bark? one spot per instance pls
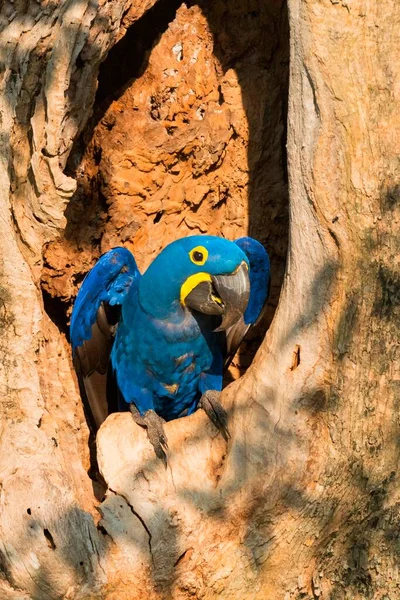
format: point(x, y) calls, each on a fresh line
point(303, 500)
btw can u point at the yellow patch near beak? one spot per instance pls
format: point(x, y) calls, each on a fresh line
point(192, 282)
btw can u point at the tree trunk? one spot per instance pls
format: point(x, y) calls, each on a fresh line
point(302, 502)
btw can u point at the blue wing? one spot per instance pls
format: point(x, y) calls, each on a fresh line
point(92, 335)
point(260, 276)
point(108, 281)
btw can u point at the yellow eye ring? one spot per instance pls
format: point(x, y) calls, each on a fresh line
point(198, 255)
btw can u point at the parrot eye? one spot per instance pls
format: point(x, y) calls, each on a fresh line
point(198, 255)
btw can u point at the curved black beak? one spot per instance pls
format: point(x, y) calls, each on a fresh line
point(224, 295)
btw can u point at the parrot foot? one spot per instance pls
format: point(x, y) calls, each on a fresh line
point(155, 430)
point(211, 405)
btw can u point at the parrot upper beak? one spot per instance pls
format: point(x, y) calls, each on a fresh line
point(224, 295)
point(234, 291)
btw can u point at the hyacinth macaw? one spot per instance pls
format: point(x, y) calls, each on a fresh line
point(170, 332)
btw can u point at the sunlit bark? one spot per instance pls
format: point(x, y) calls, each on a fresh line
point(303, 500)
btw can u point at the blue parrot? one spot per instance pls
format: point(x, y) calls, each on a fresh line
point(169, 333)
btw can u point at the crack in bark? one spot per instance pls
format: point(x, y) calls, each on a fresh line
point(183, 556)
point(49, 538)
point(313, 92)
point(96, 551)
point(133, 511)
point(220, 468)
point(172, 477)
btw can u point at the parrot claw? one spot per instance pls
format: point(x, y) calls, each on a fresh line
point(155, 430)
point(211, 405)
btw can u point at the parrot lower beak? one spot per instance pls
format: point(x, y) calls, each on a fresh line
point(204, 299)
point(234, 291)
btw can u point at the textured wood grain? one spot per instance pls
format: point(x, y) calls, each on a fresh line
point(303, 500)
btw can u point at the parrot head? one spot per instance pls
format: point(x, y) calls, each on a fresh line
point(206, 274)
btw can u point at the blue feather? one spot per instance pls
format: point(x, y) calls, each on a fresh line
point(109, 281)
point(259, 277)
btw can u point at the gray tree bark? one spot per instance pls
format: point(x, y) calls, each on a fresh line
point(303, 500)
